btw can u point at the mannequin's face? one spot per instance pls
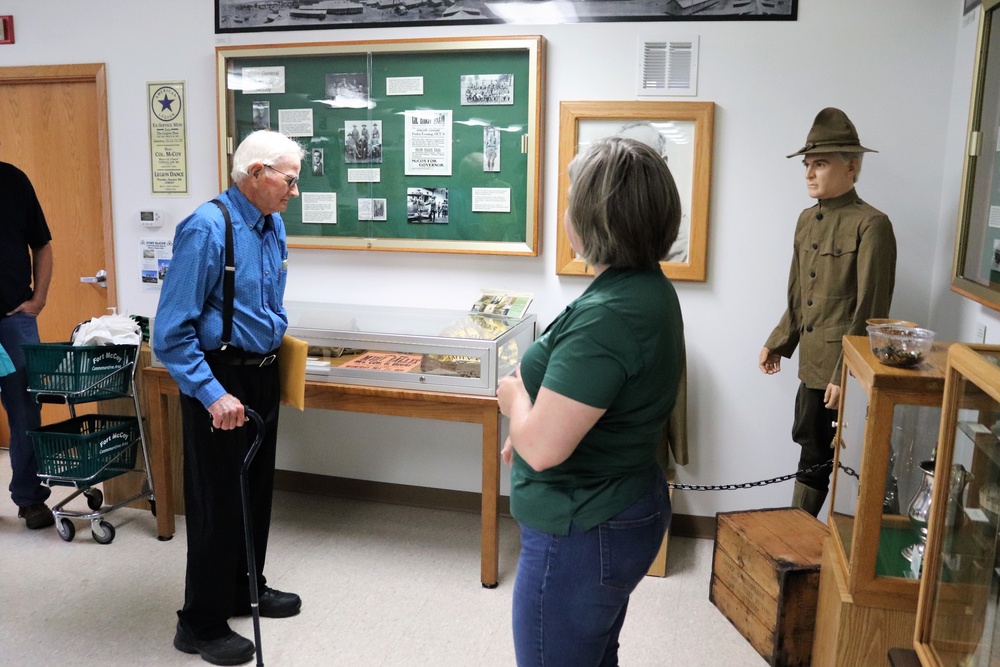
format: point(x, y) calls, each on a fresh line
point(828, 175)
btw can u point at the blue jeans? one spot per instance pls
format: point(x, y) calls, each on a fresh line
point(571, 591)
point(23, 413)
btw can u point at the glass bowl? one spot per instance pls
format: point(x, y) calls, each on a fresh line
point(900, 346)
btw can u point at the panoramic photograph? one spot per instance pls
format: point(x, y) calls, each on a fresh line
point(244, 16)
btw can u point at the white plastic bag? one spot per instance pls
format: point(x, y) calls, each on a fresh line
point(111, 329)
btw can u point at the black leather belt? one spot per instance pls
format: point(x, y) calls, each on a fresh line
point(234, 357)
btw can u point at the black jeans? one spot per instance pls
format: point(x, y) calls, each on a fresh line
point(216, 586)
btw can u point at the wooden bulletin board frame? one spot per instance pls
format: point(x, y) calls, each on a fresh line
point(437, 74)
point(691, 166)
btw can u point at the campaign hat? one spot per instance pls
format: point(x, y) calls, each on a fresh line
point(832, 132)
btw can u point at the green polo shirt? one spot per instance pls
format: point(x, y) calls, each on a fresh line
point(617, 347)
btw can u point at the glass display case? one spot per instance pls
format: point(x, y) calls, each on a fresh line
point(887, 432)
point(960, 586)
point(409, 348)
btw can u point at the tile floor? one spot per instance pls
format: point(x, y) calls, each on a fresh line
point(382, 585)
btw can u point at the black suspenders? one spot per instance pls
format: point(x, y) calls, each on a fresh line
point(228, 279)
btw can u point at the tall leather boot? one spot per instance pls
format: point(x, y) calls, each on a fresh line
point(808, 498)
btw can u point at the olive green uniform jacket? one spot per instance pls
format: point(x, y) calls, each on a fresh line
point(843, 272)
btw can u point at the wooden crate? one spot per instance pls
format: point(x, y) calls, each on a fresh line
point(765, 579)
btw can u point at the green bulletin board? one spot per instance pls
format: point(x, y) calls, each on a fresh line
point(367, 101)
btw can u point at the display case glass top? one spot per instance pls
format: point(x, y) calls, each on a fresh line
point(887, 432)
point(960, 585)
point(406, 347)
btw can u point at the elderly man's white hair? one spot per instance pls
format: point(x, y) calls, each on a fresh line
point(266, 147)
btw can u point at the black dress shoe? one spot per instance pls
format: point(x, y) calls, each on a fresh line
point(232, 649)
point(278, 604)
point(36, 516)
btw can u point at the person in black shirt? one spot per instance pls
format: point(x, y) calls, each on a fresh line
point(25, 274)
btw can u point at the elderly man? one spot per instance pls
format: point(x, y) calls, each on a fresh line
point(843, 272)
point(219, 341)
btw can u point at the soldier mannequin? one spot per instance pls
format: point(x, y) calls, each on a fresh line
point(843, 272)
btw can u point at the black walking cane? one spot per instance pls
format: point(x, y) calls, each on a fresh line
point(248, 529)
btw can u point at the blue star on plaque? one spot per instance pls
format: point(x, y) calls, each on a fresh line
point(166, 103)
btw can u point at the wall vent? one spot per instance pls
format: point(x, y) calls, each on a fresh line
point(668, 67)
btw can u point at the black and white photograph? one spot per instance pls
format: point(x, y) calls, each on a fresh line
point(371, 209)
point(427, 205)
point(491, 149)
point(318, 162)
point(347, 90)
point(261, 115)
point(487, 89)
point(261, 15)
point(363, 141)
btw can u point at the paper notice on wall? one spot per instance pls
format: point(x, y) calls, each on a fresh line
point(295, 122)
point(994, 216)
point(491, 200)
point(404, 85)
point(154, 260)
point(427, 143)
point(319, 208)
point(259, 80)
point(167, 138)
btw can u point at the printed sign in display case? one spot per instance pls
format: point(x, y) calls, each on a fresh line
point(409, 348)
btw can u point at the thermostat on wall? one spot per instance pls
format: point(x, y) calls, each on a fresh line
point(151, 219)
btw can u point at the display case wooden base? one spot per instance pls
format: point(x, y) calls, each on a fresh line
point(850, 634)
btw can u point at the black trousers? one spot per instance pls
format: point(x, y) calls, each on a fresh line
point(814, 429)
point(216, 585)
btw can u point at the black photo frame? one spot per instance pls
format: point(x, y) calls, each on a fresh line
point(242, 16)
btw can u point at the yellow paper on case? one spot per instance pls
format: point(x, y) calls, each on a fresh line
point(292, 371)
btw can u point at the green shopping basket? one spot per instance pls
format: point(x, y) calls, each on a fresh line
point(86, 450)
point(75, 374)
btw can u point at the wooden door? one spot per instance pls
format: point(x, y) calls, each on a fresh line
point(54, 127)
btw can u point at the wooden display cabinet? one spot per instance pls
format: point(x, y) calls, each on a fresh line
point(887, 425)
point(958, 607)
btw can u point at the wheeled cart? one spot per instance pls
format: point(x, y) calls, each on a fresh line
point(84, 451)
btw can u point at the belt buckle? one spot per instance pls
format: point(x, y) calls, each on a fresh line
point(268, 360)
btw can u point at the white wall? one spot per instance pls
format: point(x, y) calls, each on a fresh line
point(899, 69)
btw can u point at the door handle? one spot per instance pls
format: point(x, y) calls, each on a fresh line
point(101, 278)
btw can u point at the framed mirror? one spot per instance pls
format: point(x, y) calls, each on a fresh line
point(976, 268)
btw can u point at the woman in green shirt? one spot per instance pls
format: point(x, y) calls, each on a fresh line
point(587, 407)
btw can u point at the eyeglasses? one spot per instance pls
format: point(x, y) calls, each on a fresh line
point(290, 181)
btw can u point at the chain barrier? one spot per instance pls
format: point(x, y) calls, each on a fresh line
point(763, 482)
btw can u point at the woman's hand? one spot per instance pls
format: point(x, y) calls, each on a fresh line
point(510, 391)
point(507, 453)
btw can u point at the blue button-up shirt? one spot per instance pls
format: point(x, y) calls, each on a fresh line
point(189, 316)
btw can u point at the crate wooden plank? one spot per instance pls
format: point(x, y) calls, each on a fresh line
point(760, 635)
point(765, 580)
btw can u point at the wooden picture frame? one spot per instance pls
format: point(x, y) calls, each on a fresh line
point(481, 195)
point(976, 263)
point(6, 29)
point(682, 131)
